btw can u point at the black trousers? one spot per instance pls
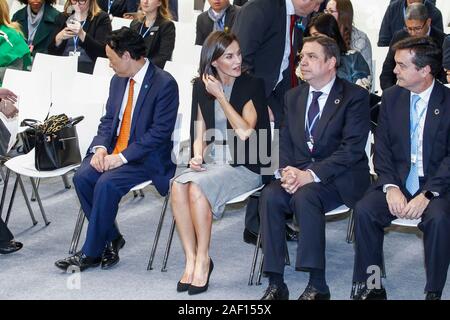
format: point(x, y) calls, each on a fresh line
point(309, 205)
point(372, 216)
point(5, 234)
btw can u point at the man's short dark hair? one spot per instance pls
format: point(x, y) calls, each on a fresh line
point(330, 47)
point(426, 52)
point(129, 40)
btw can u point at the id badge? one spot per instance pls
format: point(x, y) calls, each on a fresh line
point(74, 53)
point(310, 145)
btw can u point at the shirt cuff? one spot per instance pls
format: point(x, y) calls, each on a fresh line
point(386, 186)
point(123, 158)
point(277, 173)
point(316, 178)
point(94, 148)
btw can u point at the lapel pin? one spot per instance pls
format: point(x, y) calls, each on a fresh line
point(337, 101)
point(152, 33)
point(146, 86)
point(436, 111)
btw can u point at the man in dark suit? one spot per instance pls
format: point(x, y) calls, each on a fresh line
point(394, 21)
point(219, 17)
point(412, 161)
point(322, 166)
point(7, 98)
point(133, 145)
point(418, 23)
point(270, 34)
point(446, 57)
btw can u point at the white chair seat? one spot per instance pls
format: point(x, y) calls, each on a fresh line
point(406, 222)
point(338, 210)
point(24, 165)
point(244, 196)
point(141, 185)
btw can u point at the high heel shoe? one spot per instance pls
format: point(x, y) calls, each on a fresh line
point(196, 290)
point(182, 287)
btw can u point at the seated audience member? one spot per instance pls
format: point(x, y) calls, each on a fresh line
point(7, 100)
point(322, 166)
point(82, 33)
point(14, 52)
point(229, 124)
point(394, 21)
point(219, 17)
point(116, 8)
point(133, 145)
point(446, 57)
point(173, 8)
point(37, 21)
point(352, 66)
point(412, 156)
point(157, 30)
point(418, 23)
point(342, 11)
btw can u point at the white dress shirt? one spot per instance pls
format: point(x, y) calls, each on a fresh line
point(139, 79)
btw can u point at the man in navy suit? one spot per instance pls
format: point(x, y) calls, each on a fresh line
point(412, 161)
point(133, 145)
point(323, 165)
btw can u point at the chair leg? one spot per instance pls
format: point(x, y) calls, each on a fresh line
point(258, 278)
point(66, 182)
point(135, 194)
point(383, 267)
point(11, 201)
point(158, 233)
point(254, 260)
point(33, 193)
point(168, 246)
point(38, 198)
point(141, 193)
point(5, 187)
point(287, 260)
point(25, 196)
point(77, 232)
point(351, 228)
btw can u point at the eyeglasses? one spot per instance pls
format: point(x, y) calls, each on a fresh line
point(415, 29)
point(79, 1)
point(329, 11)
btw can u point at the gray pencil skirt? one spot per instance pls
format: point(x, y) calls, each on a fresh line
point(220, 183)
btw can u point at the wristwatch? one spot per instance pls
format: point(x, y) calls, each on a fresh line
point(428, 194)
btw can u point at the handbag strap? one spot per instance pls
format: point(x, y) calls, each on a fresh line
point(74, 121)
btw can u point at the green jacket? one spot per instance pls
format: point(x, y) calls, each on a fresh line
point(46, 29)
point(14, 48)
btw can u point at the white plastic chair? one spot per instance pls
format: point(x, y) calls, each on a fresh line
point(67, 65)
point(102, 68)
point(185, 50)
point(117, 23)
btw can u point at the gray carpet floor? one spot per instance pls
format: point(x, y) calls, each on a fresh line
point(31, 274)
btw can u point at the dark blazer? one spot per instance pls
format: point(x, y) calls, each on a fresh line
point(387, 76)
point(394, 20)
point(152, 125)
point(245, 88)
point(173, 7)
point(96, 30)
point(45, 30)
point(446, 53)
point(260, 26)
point(118, 7)
point(239, 2)
point(205, 24)
point(339, 155)
point(160, 40)
point(4, 138)
point(392, 157)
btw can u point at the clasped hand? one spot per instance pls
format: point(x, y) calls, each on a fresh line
point(102, 161)
point(293, 178)
point(401, 208)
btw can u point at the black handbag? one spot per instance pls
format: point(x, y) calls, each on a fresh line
point(56, 142)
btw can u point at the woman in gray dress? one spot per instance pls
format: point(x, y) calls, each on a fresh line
point(229, 126)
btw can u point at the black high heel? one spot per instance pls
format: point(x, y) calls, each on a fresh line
point(196, 290)
point(182, 287)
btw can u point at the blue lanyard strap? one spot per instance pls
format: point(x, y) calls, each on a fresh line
point(110, 3)
point(146, 31)
point(75, 39)
point(313, 123)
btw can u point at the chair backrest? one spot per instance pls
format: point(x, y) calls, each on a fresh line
point(66, 65)
point(176, 138)
point(117, 23)
point(183, 74)
point(102, 68)
point(185, 50)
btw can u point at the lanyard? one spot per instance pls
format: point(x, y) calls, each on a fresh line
point(75, 39)
point(414, 131)
point(110, 3)
point(313, 123)
point(146, 31)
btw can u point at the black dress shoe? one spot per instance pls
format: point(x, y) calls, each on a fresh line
point(370, 294)
point(433, 296)
point(10, 247)
point(110, 256)
point(274, 292)
point(182, 287)
point(291, 234)
point(250, 237)
point(312, 293)
point(79, 261)
point(196, 290)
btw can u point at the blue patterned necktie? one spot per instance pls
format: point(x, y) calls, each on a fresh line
point(412, 181)
point(313, 113)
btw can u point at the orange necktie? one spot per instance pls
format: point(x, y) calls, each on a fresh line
point(124, 134)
